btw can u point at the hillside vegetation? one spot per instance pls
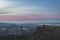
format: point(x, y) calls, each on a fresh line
point(41, 33)
point(46, 33)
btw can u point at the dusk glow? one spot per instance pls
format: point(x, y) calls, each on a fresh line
point(29, 9)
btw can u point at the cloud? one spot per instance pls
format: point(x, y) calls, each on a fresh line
point(26, 11)
point(4, 12)
point(29, 10)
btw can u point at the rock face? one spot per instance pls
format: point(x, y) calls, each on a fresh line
point(46, 33)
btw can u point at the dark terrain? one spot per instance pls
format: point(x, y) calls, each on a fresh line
point(46, 33)
point(43, 32)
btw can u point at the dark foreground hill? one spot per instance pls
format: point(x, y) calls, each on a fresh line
point(46, 33)
point(41, 33)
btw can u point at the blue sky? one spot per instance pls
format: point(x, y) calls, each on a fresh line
point(30, 8)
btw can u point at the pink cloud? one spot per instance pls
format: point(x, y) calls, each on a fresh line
point(27, 17)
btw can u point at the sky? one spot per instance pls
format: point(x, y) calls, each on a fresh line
point(29, 9)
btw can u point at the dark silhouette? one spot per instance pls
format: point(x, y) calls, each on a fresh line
point(43, 32)
point(46, 33)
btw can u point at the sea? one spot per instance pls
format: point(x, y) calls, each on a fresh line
point(39, 22)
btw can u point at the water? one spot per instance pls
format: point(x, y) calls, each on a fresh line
point(47, 22)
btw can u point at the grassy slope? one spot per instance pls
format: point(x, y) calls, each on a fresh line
point(46, 33)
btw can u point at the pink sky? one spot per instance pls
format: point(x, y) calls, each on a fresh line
point(28, 9)
point(27, 17)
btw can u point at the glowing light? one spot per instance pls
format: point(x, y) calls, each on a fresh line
point(3, 4)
